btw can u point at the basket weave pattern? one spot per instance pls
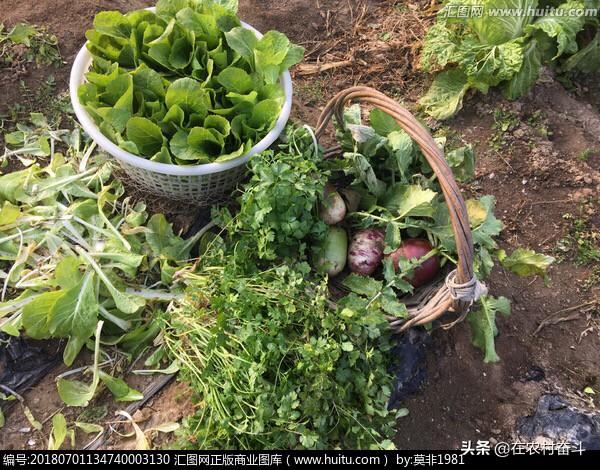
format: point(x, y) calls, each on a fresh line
point(431, 303)
point(200, 190)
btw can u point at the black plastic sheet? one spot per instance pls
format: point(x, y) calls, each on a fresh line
point(23, 363)
point(560, 421)
point(410, 368)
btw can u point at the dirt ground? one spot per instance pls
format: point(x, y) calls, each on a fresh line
point(543, 169)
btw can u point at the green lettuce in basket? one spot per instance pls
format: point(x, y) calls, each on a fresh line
point(185, 84)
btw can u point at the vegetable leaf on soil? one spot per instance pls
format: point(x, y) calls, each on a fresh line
point(483, 324)
point(524, 262)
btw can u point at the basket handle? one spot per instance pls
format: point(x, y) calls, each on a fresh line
point(435, 157)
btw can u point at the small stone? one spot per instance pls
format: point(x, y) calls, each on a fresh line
point(534, 374)
point(495, 431)
point(491, 175)
point(31, 442)
point(519, 133)
point(25, 430)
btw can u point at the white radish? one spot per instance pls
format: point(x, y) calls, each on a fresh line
point(332, 208)
point(331, 254)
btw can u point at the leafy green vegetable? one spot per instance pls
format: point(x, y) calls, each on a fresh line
point(277, 367)
point(279, 205)
point(186, 84)
point(503, 49)
point(58, 433)
point(73, 251)
point(483, 324)
point(272, 359)
point(524, 262)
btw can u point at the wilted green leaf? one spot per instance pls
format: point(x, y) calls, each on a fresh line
point(76, 393)
point(524, 262)
point(483, 324)
point(58, 432)
point(119, 388)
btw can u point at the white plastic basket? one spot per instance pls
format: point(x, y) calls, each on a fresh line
point(201, 185)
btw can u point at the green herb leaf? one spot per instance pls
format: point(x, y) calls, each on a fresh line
point(362, 285)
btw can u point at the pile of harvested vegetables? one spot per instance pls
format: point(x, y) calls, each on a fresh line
point(280, 325)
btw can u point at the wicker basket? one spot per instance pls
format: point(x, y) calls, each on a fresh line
point(201, 185)
point(460, 288)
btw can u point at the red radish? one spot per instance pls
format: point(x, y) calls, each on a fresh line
point(416, 248)
point(366, 251)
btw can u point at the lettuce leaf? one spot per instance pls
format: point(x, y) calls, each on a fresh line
point(445, 96)
point(156, 76)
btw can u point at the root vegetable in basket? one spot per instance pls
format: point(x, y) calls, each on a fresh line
point(414, 249)
point(351, 198)
point(186, 84)
point(332, 209)
point(331, 255)
point(366, 251)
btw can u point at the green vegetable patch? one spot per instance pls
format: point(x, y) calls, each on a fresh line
point(487, 49)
